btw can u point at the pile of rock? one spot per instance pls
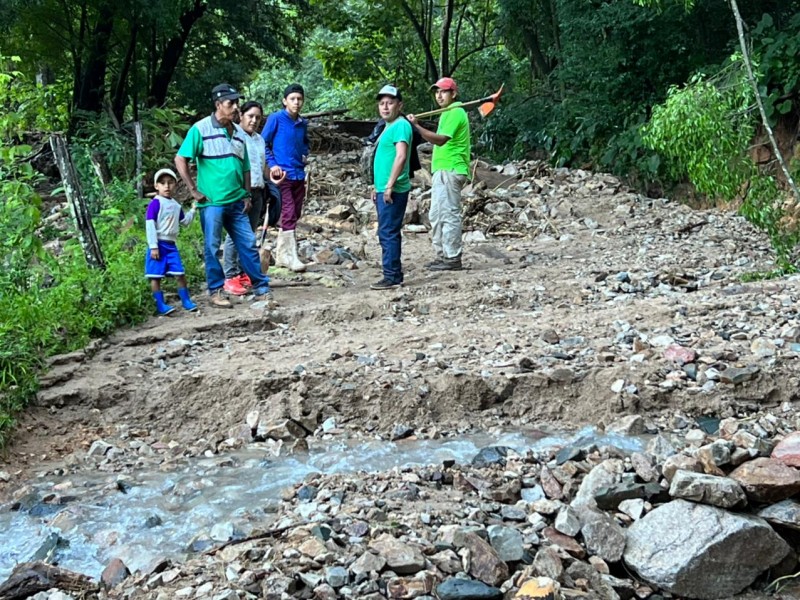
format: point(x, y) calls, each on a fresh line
point(338, 190)
point(694, 515)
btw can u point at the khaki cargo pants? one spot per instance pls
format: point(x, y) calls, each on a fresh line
point(445, 214)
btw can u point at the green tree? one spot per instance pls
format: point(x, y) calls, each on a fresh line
point(123, 54)
point(406, 41)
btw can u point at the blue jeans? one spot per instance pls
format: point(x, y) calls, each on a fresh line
point(390, 224)
point(230, 257)
point(231, 218)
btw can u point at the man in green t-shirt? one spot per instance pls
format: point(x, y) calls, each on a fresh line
point(450, 167)
point(222, 193)
point(392, 185)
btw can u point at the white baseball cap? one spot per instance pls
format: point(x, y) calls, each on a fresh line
point(389, 90)
point(161, 172)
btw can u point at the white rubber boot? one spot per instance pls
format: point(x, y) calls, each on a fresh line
point(280, 254)
point(288, 258)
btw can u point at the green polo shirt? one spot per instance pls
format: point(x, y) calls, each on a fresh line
point(453, 155)
point(221, 158)
point(397, 131)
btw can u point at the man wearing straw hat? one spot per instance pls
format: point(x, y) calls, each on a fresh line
point(450, 167)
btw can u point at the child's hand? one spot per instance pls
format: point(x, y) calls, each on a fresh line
point(154, 254)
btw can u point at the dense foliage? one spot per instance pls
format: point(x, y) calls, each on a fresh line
point(50, 300)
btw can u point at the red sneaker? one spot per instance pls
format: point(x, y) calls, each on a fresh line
point(245, 281)
point(233, 286)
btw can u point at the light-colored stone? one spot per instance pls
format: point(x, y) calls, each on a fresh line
point(634, 508)
point(401, 558)
point(367, 563)
point(707, 489)
point(701, 551)
point(568, 522)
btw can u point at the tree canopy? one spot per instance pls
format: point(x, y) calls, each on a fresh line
point(582, 76)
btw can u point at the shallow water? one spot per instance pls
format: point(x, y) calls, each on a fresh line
point(237, 487)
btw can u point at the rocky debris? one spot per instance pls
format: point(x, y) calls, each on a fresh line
point(325, 139)
point(413, 532)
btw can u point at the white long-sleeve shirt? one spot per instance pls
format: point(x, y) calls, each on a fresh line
point(257, 151)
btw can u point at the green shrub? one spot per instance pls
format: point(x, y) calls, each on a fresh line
point(704, 130)
point(52, 305)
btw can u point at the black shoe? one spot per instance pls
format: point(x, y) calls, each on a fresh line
point(385, 284)
point(433, 263)
point(446, 265)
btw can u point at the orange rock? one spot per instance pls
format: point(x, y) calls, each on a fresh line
point(541, 588)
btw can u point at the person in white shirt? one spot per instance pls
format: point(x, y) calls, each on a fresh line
point(250, 116)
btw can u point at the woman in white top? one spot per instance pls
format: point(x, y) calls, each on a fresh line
point(251, 115)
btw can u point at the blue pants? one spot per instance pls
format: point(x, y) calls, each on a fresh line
point(390, 224)
point(230, 257)
point(213, 219)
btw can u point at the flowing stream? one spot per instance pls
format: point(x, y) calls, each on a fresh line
point(155, 514)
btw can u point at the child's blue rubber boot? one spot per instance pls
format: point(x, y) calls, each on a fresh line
point(186, 301)
point(162, 307)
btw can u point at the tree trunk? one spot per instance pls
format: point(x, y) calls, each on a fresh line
point(93, 77)
point(430, 61)
point(77, 56)
point(139, 154)
point(539, 63)
point(77, 203)
point(172, 55)
point(760, 103)
point(118, 103)
point(28, 579)
point(444, 39)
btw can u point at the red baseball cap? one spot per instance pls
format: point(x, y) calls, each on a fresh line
point(446, 83)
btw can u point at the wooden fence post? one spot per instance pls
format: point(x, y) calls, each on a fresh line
point(77, 203)
point(139, 153)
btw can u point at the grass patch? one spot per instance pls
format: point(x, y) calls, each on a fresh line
point(51, 305)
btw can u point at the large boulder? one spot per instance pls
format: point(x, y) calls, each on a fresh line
point(701, 551)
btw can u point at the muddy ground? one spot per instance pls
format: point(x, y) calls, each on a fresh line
point(564, 324)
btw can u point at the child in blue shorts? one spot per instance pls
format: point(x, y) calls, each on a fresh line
point(163, 220)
